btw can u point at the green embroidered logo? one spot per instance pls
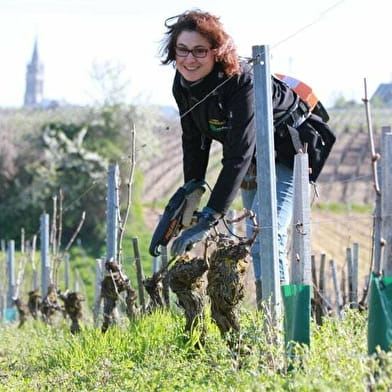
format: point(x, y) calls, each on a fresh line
point(217, 125)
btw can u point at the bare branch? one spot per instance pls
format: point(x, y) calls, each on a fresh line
point(76, 232)
point(132, 159)
point(60, 233)
point(375, 157)
point(53, 231)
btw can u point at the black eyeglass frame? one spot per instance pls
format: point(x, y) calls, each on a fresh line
point(199, 53)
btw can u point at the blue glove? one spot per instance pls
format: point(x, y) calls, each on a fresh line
point(193, 235)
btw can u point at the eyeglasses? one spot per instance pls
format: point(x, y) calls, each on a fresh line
point(199, 53)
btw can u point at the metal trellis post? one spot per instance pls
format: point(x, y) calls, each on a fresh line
point(350, 273)
point(232, 215)
point(354, 283)
point(266, 191)
point(301, 260)
point(386, 205)
point(11, 274)
point(112, 211)
point(45, 259)
point(297, 294)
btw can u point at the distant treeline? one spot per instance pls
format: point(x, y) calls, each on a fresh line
point(69, 149)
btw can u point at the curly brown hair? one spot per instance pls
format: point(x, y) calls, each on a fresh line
point(210, 28)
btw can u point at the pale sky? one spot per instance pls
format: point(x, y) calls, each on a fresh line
point(331, 45)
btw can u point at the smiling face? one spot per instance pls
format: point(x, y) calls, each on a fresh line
point(190, 67)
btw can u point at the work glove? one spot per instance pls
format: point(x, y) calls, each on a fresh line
point(192, 202)
point(194, 234)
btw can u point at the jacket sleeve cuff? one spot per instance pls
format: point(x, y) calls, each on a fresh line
point(210, 211)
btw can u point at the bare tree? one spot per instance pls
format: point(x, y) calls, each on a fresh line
point(110, 85)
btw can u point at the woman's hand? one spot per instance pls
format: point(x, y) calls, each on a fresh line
point(193, 235)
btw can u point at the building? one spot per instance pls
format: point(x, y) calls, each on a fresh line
point(383, 94)
point(34, 93)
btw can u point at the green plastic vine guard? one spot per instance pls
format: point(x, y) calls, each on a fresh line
point(380, 314)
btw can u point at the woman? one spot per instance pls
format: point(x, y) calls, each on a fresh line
point(214, 94)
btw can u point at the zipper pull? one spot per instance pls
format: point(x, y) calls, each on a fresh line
point(230, 118)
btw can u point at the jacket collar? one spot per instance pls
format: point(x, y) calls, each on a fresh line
point(203, 86)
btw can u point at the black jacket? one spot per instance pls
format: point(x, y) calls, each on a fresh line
point(227, 116)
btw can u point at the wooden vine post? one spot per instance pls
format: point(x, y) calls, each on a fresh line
point(319, 295)
point(338, 295)
point(139, 272)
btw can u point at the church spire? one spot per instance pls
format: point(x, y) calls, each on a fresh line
point(34, 79)
point(34, 58)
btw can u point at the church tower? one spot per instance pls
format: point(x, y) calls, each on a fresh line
point(34, 80)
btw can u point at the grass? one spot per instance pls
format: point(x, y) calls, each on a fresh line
point(344, 208)
point(151, 354)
